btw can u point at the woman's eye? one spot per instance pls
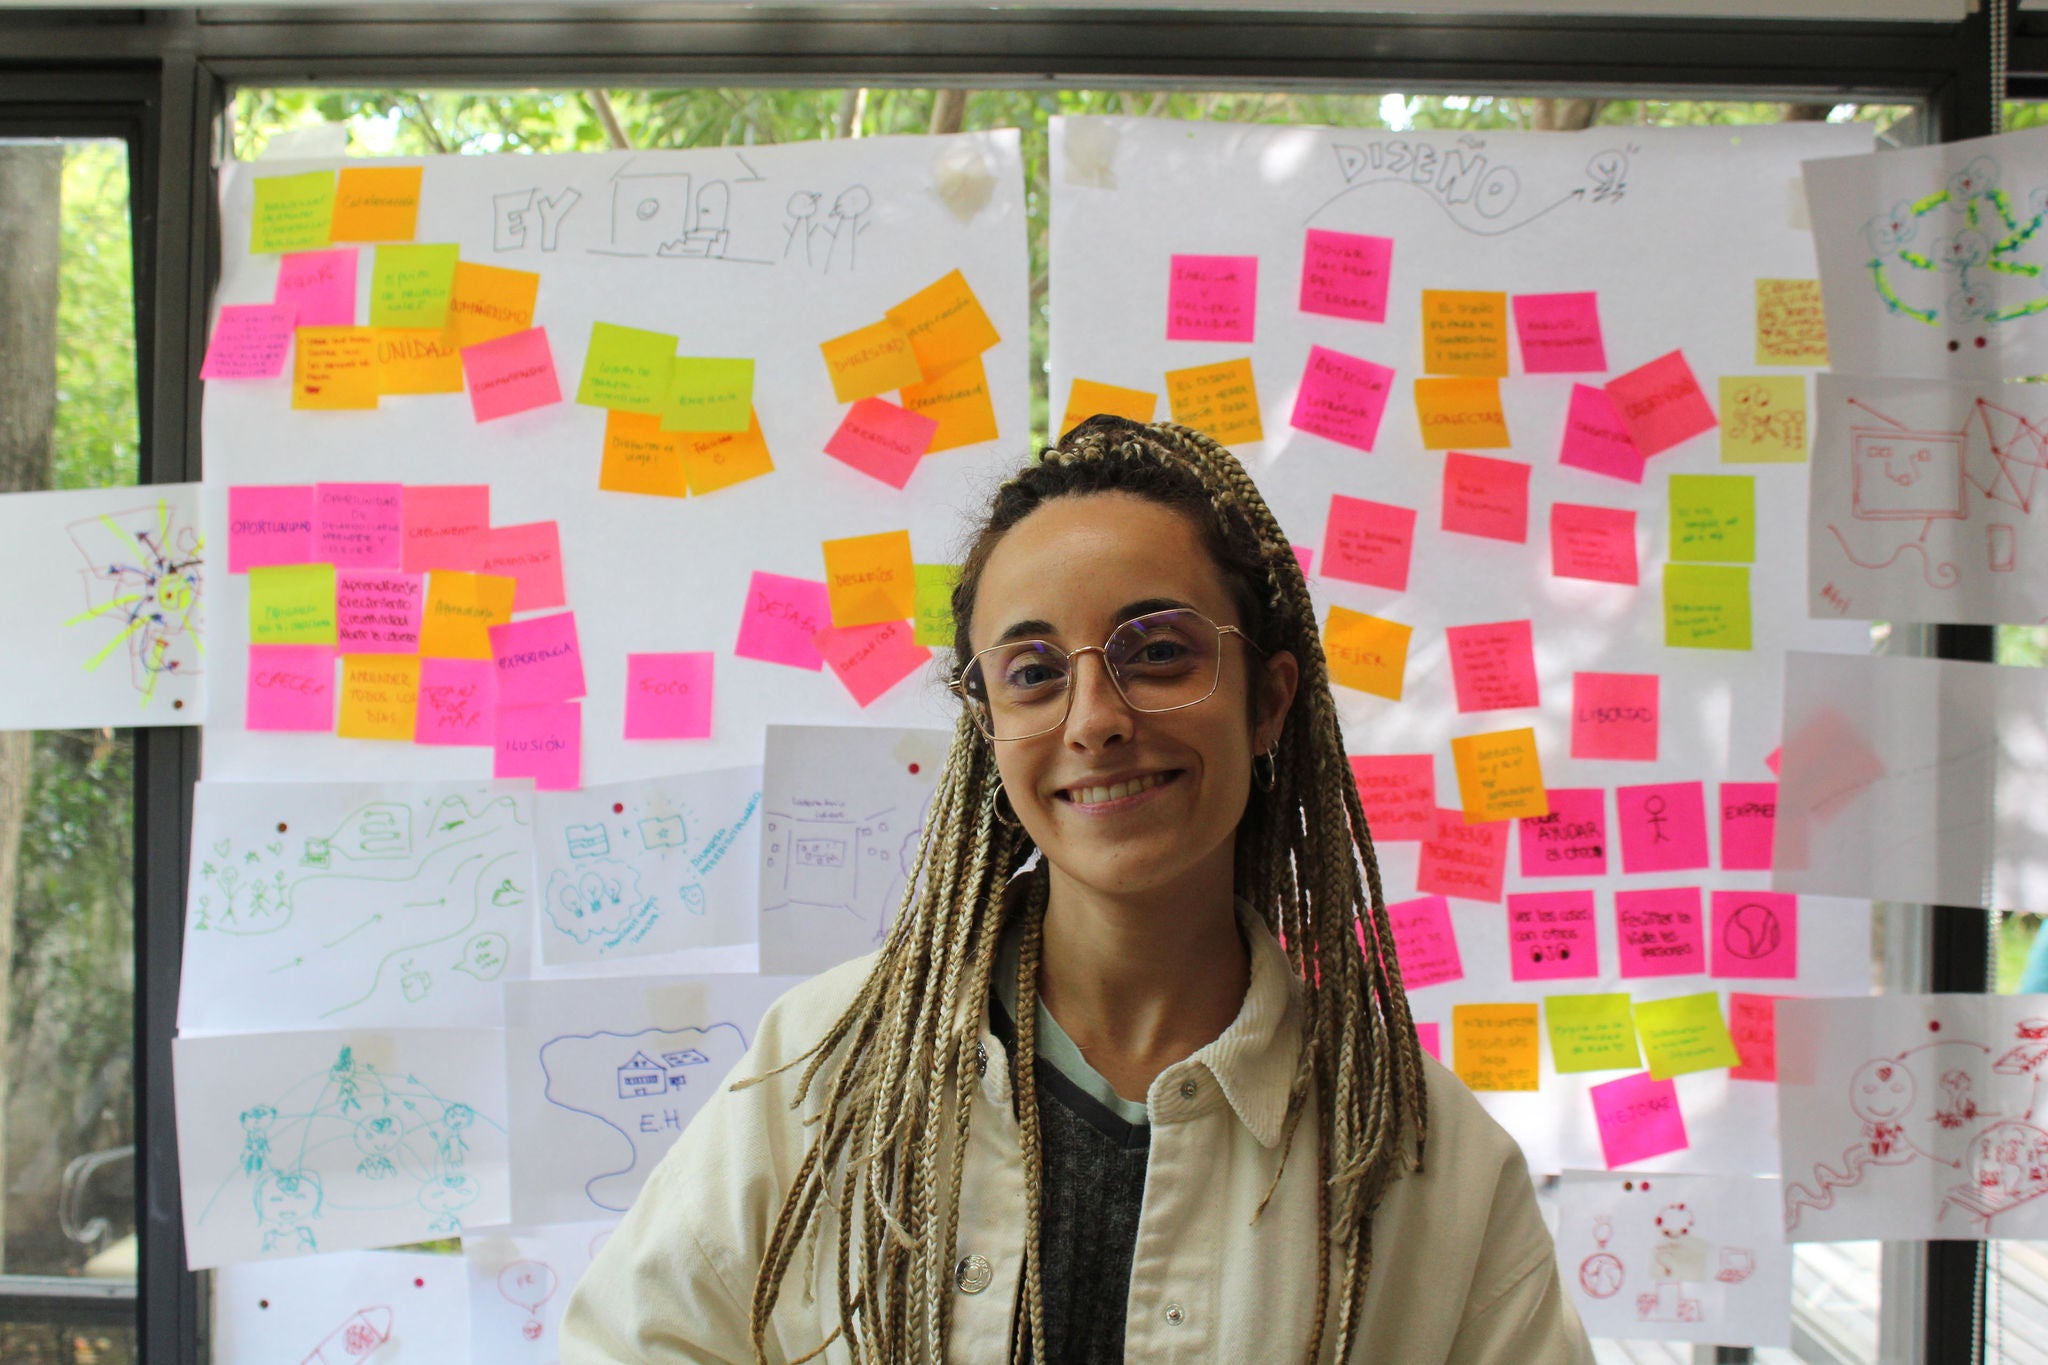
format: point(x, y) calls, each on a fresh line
point(1160, 652)
point(1029, 676)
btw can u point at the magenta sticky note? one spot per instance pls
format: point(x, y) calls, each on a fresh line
point(1493, 667)
point(1486, 497)
point(1755, 935)
point(509, 374)
point(1638, 1118)
point(1212, 298)
point(1551, 936)
point(1345, 274)
point(530, 554)
point(1560, 333)
point(1341, 398)
point(1461, 860)
point(871, 659)
point(1753, 1027)
point(443, 526)
point(358, 525)
point(318, 286)
point(1398, 794)
point(1661, 404)
point(1596, 439)
point(1571, 841)
point(539, 660)
point(882, 440)
point(1425, 942)
point(1430, 1036)
point(544, 743)
point(1368, 542)
point(1771, 759)
point(781, 618)
point(249, 341)
point(269, 524)
point(1663, 826)
point(1305, 557)
point(1661, 932)
point(458, 702)
point(1614, 715)
point(377, 611)
point(291, 687)
point(1749, 818)
point(668, 696)
point(1593, 542)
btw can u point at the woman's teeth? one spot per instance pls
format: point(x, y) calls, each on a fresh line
point(1095, 796)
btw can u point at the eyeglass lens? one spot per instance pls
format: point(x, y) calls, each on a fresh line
point(1160, 661)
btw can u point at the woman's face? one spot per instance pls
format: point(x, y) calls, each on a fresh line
point(1079, 567)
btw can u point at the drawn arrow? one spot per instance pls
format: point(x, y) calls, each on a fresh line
point(284, 966)
point(377, 918)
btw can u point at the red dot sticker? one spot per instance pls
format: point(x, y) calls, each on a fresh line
point(419, 1284)
point(913, 770)
point(618, 808)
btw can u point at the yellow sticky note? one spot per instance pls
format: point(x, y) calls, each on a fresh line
point(1499, 776)
point(1706, 606)
point(1219, 399)
point(1366, 652)
point(1713, 518)
point(379, 696)
point(708, 393)
point(1464, 331)
point(292, 604)
point(410, 284)
point(870, 579)
point(639, 457)
point(1763, 419)
point(377, 204)
point(945, 324)
point(626, 369)
point(958, 401)
point(490, 301)
point(1591, 1032)
point(1463, 413)
point(873, 360)
point(1790, 327)
point(461, 608)
point(1493, 1047)
point(292, 213)
point(417, 360)
point(1683, 1034)
point(1086, 398)
point(719, 459)
point(932, 626)
point(334, 367)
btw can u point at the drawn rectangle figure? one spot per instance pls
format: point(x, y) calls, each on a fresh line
point(519, 1283)
point(343, 1308)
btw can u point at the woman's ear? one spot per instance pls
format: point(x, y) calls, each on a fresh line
point(1282, 675)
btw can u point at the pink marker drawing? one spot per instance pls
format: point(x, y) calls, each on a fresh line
point(529, 1284)
point(366, 1332)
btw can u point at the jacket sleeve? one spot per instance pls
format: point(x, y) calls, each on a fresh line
point(1518, 1310)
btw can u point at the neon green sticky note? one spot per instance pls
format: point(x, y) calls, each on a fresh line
point(708, 394)
point(292, 604)
point(411, 283)
point(626, 369)
point(1713, 518)
point(1683, 1034)
point(293, 212)
point(1591, 1032)
point(1706, 606)
point(933, 625)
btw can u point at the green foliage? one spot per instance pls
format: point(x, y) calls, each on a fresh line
point(98, 439)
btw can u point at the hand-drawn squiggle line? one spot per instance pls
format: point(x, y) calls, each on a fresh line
point(1939, 574)
point(1797, 1196)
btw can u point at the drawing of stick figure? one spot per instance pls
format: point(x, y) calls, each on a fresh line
point(444, 1197)
point(256, 1137)
point(452, 1144)
point(1653, 812)
point(848, 211)
point(803, 213)
point(286, 1201)
point(343, 1073)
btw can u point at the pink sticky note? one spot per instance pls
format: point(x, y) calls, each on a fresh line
point(1493, 666)
point(1639, 1118)
point(871, 659)
point(1749, 817)
point(1596, 439)
point(539, 660)
point(1425, 941)
point(1345, 274)
point(249, 342)
point(508, 374)
point(1756, 935)
point(1661, 403)
point(1398, 792)
point(531, 555)
point(882, 440)
point(1592, 542)
point(1753, 1025)
point(1212, 298)
point(1466, 861)
point(1663, 826)
point(357, 525)
point(544, 743)
point(1368, 542)
point(377, 611)
point(1551, 936)
point(291, 687)
point(1771, 760)
point(668, 696)
point(269, 524)
point(1571, 841)
point(319, 286)
point(781, 618)
point(1614, 715)
point(1430, 1037)
point(1661, 932)
point(443, 526)
point(1560, 333)
point(1303, 556)
point(1486, 497)
point(458, 702)
point(1341, 398)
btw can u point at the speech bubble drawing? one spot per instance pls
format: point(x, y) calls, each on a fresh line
point(485, 955)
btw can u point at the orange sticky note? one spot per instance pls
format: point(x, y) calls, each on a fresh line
point(870, 579)
point(1366, 652)
point(1219, 399)
point(1493, 1047)
point(376, 204)
point(1086, 399)
point(1464, 331)
point(461, 609)
point(334, 367)
point(945, 324)
point(1790, 328)
point(639, 457)
point(719, 459)
point(379, 696)
point(489, 302)
point(873, 360)
point(1499, 776)
point(1465, 413)
point(417, 360)
point(958, 401)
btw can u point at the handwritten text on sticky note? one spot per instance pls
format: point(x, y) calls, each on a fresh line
point(1551, 936)
point(1493, 1047)
point(1345, 274)
point(1341, 398)
point(668, 696)
point(1368, 542)
point(1220, 399)
point(1499, 776)
point(1463, 412)
point(1591, 1033)
point(1559, 333)
point(1684, 1034)
point(269, 524)
point(1598, 543)
point(1639, 1118)
point(291, 687)
point(1571, 841)
point(1465, 860)
point(1614, 715)
point(781, 618)
point(1369, 653)
point(1212, 298)
point(1596, 439)
point(1486, 497)
point(1493, 666)
point(1426, 942)
point(1398, 793)
point(1660, 931)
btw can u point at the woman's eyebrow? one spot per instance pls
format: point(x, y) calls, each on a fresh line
point(1025, 630)
point(1028, 630)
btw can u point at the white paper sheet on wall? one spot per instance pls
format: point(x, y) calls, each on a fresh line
point(519, 1283)
point(343, 1309)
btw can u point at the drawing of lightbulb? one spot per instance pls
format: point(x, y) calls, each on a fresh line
point(529, 1284)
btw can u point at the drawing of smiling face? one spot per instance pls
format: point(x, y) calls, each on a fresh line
point(449, 1193)
point(284, 1198)
point(1881, 1091)
point(378, 1136)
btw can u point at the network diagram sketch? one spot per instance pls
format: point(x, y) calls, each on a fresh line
point(143, 574)
point(1964, 254)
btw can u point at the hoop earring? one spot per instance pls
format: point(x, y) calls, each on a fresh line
point(996, 804)
point(1265, 771)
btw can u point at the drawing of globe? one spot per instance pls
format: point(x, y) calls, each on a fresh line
point(1752, 931)
point(1600, 1275)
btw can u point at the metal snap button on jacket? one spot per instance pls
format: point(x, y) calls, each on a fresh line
point(1188, 1089)
point(973, 1274)
point(1174, 1316)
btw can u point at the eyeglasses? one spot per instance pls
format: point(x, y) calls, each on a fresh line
point(1161, 661)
